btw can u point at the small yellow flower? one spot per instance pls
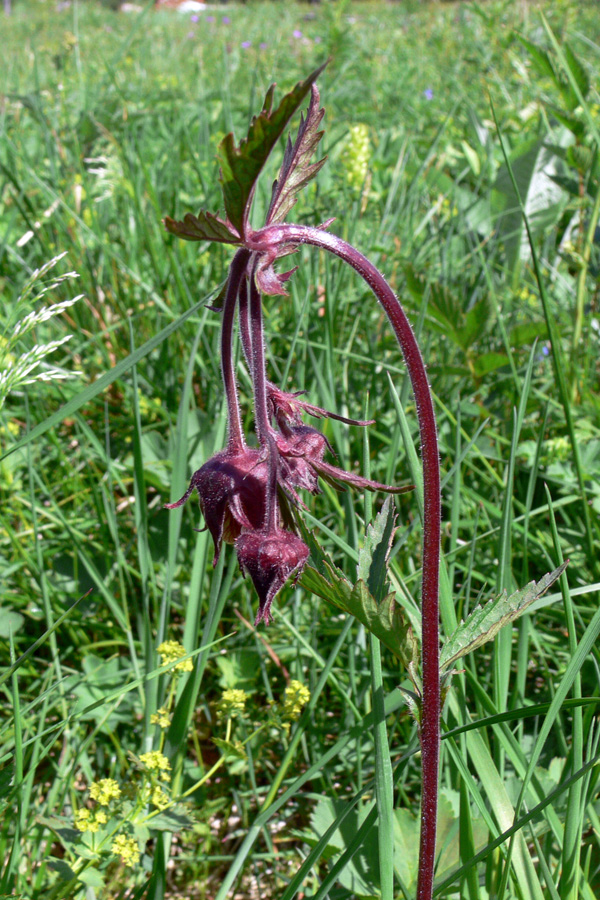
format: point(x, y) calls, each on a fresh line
point(170, 651)
point(161, 718)
point(296, 696)
point(86, 820)
point(157, 761)
point(159, 798)
point(232, 703)
point(127, 849)
point(82, 819)
point(104, 791)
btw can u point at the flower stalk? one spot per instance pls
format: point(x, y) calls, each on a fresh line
point(245, 494)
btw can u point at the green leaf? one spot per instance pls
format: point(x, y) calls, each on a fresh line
point(203, 227)
point(174, 820)
point(533, 167)
point(296, 170)
point(373, 557)
point(540, 59)
point(489, 362)
point(242, 164)
point(92, 877)
point(574, 123)
point(386, 620)
point(360, 876)
point(485, 621)
point(230, 749)
point(406, 839)
point(10, 622)
point(577, 70)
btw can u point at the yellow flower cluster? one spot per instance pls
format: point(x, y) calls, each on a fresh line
point(296, 696)
point(157, 761)
point(232, 703)
point(170, 651)
point(86, 820)
point(356, 155)
point(127, 848)
point(161, 718)
point(104, 791)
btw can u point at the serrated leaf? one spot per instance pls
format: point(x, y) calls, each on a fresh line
point(577, 70)
point(540, 58)
point(297, 170)
point(373, 557)
point(575, 125)
point(386, 620)
point(485, 621)
point(203, 227)
point(242, 164)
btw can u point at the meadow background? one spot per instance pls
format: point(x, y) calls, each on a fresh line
point(108, 122)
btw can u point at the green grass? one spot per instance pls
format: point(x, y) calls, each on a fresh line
point(108, 122)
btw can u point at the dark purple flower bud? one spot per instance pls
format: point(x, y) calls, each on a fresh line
point(231, 488)
point(270, 558)
point(288, 408)
point(299, 446)
point(302, 448)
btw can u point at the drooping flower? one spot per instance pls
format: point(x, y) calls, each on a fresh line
point(231, 492)
point(270, 558)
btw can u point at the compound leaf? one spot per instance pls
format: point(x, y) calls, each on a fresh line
point(242, 164)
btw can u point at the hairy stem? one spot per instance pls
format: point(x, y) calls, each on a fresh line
point(274, 236)
point(234, 421)
point(261, 412)
point(243, 313)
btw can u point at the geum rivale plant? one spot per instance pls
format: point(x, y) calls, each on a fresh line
point(246, 494)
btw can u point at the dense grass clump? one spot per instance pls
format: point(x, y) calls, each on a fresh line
point(153, 742)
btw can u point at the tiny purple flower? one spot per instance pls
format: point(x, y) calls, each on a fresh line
point(428, 94)
point(194, 19)
point(225, 20)
point(246, 44)
point(318, 39)
point(263, 46)
point(297, 34)
point(210, 18)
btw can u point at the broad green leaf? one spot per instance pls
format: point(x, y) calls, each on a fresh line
point(10, 622)
point(174, 820)
point(92, 877)
point(527, 332)
point(296, 170)
point(406, 839)
point(203, 227)
point(534, 168)
point(361, 874)
point(485, 621)
point(242, 164)
point(489, 362)
point(373, 557)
